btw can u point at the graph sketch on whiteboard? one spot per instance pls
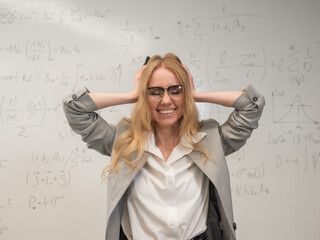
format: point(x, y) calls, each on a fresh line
point(296, 113)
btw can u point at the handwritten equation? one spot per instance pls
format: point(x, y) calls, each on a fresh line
point(8, 204)
point(58, 16)
point(308, 163)
point(199, 26)
point(49, 52)
point(3, 164)
point(33, 202)
point(20, 78)
point(42, 49)
point(131, 36)
point(249, 190)
point(36, 202)
point(249, 172)
point(74, 159)
point(247, 179)
point(48, 178)
point(23, 111)
point(3, 228)
point(297, 64)
point(225, 65)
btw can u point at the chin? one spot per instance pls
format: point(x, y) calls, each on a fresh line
point(167, 124)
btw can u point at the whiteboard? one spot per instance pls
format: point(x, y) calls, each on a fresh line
point(50, 182)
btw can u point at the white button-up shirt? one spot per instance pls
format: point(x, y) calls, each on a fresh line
point(167, 200)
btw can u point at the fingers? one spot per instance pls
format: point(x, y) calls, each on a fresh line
point(137, 78)
point(139, 72)
point(190, 77)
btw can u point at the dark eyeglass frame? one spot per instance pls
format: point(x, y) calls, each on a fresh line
point(162, 90)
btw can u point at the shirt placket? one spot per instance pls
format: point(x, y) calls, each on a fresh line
point(172, 211)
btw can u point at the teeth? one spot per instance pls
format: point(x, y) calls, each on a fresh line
point(166, 111)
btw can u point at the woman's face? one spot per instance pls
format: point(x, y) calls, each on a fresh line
point(166, 112)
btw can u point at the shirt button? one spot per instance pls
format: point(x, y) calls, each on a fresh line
point(234, 226)
point(74, 97)
point(255, 99)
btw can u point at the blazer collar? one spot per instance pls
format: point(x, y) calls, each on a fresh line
point(119, 182)
point(151, 142)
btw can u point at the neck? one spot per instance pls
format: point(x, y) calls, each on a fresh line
point(166, 139)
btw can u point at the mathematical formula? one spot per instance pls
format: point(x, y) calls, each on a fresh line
point(73, 159)
point(60, 178)
point(50, 51)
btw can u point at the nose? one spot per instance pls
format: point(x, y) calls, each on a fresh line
point(166, 99)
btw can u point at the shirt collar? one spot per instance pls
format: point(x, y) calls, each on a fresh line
point(183, 148)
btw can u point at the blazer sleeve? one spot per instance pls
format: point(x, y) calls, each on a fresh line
point(79, 109)
point(242, 121)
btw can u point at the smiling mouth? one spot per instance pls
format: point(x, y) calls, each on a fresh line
point(166, 111)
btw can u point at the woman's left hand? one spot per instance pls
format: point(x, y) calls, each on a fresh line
point(193, 89)
point(136, 82)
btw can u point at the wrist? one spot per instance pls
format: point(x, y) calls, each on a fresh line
point(133, 97)
point(196, 96)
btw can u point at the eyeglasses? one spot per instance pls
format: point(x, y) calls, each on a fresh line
point(155, 94)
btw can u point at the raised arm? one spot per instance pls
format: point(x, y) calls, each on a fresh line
point(80, 109)
point(103, 100)
point(248, 106)
point(226, 98)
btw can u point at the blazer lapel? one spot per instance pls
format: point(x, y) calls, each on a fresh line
point(209, 168)
point(119, 182)
point(217, 171)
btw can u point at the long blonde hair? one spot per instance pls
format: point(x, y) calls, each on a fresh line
point(132, 141)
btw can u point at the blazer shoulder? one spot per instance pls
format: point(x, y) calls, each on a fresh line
point(209, 124)
point(123, 125)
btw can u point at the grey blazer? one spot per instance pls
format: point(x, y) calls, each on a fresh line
point(220, 141)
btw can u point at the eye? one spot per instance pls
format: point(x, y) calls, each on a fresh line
point(155, 92)
point(176, 90)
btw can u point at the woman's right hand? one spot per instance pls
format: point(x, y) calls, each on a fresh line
point(193, 89)
point(137, 76)
point(104, 99)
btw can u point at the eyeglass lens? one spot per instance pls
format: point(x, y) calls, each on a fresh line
point(157, 93)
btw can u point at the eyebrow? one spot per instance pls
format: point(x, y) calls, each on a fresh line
point(177, 85)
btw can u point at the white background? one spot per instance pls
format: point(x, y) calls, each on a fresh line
point(50, 182)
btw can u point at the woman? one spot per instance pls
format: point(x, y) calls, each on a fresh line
point(168, 177)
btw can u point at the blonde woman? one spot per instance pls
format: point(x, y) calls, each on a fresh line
point(168, 177)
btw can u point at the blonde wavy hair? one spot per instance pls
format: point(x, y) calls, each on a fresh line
point(132, 142)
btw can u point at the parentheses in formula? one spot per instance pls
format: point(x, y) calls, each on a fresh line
point(49, 50)
point(258, 173)
point(27, 178)
point(44, 109)
point(26, 49)
point(69, 177)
